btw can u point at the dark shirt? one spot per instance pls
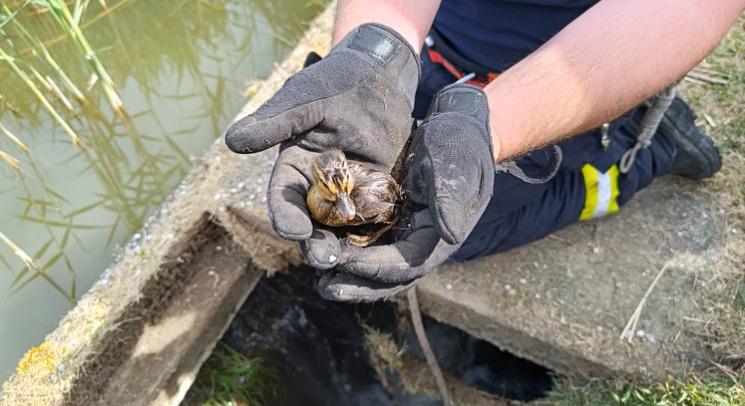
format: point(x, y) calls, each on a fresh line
point(499, 33)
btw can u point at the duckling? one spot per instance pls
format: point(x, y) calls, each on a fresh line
point(349, 194)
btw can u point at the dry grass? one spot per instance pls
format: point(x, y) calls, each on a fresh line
point(721, 112)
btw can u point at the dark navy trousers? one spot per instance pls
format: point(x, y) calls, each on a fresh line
point(587, 185)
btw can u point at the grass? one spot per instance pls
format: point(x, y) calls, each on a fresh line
point(724, 105)
point(713, 391)
point(228, 378)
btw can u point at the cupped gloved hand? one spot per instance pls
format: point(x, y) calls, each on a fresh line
point(358, 99)
point(448, 183)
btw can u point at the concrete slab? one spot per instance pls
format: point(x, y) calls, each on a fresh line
point(563, 302)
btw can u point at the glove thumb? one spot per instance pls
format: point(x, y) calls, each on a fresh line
point(459, 149)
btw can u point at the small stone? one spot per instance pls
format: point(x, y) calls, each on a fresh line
point(640, 333)
point(449, 286)
point(252, 196)
point(595, 250)
point(218, 196)
point(537, 295)
point(332, 258)
point(241, 185)
point(233, 190)
point(523, 281)
point(563, 320)
point(341, 292)
point(263, 199)
point(599, 329)
point(218, 248)
point(512, 292)
point(508, 287)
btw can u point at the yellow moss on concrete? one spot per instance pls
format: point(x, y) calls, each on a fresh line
point(41, 359)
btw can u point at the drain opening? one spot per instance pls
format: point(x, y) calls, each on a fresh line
point(319, 351)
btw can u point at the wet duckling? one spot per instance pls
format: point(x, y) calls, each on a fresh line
point(349, 194)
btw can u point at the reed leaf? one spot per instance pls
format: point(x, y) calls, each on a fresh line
point(39, 45)
point(17, 251)
point(8, 159)
point(76, 140)
point(39, 253)
point(14, 138)
point(57, 92)
point(67, 22)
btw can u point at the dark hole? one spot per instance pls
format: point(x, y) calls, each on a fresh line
point(481, 365)
point(317, 349)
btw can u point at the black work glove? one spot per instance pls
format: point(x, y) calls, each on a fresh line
point(448, 183)
point(358, 99)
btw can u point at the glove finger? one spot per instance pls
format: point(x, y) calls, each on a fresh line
point(322, 250)
point(277, 120)
point(288, 187)
point(413, 255)
point(342, 287)
point(452, 189)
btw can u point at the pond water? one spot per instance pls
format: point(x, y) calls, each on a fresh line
point(181, 69)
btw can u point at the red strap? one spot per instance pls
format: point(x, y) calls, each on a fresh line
point(478, 81)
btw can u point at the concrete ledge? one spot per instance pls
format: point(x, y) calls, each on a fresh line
point(564, 301)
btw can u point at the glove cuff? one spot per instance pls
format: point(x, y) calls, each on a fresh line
point(467, 100)
point(388, 51)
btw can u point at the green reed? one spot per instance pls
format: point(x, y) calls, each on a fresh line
point(58, 53)
point(27, 56)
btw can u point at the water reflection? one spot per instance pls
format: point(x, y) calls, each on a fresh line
point(180, 68)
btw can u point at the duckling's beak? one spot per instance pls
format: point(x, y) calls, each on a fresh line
point(345, 206)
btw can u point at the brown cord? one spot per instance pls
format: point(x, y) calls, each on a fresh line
point(421, 335)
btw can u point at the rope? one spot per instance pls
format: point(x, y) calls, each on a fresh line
point(421, 336)
point(658, 105)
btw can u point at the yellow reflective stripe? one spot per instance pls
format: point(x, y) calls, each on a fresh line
point(613, 173)
point(590, 174)
point(601, 192)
